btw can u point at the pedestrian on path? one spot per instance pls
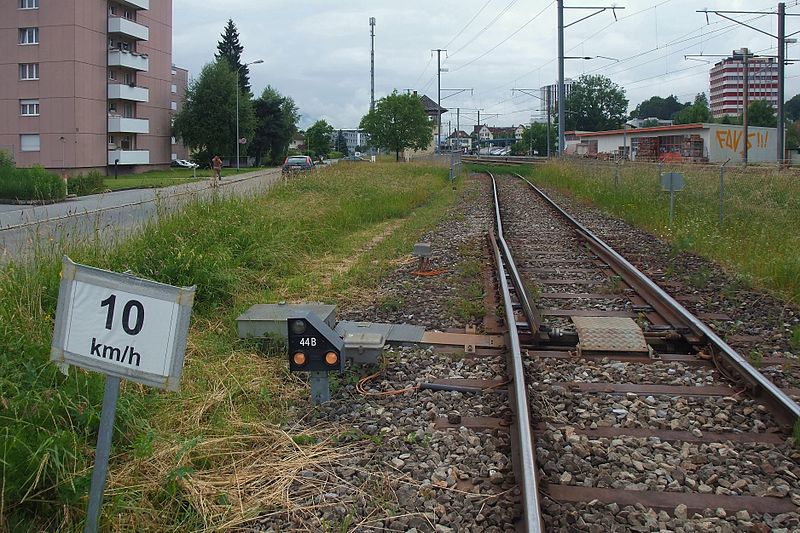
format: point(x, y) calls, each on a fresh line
point(216, 166)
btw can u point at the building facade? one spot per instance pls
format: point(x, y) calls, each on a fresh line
point(87, 84)
point(180, 83)
point(711, 143)
point(727, 84)
point(548, 95)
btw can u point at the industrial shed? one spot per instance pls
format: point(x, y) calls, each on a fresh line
point(713, 143)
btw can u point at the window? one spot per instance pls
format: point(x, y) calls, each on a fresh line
point(29, 142)
point(112, 75)
point(29, 36)
point(173, 140)
point(29, 4)
point(173, 106)
point(174, 88)
point(29, 108)
point(29, 71)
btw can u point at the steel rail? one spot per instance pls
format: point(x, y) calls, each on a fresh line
point(760, 383)
point(528, 472)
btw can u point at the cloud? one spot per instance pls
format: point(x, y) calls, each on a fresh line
point(318, 51)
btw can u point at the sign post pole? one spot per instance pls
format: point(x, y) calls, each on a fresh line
point(102, 453)
point(671, 197)
point(320, 387)
point(126, 328)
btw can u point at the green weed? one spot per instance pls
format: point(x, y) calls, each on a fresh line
point(237, 251)
point(794, 339)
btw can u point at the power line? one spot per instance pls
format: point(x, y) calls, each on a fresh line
point(491, 23)
point(468, 23)
point(506, 39)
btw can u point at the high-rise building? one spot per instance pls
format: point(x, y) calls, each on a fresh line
point(727, 84)
point(87, 84)
point(549, 95)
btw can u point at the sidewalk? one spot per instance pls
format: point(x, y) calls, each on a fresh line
point(12, 216)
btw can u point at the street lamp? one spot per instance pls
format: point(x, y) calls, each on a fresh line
point(257, 61)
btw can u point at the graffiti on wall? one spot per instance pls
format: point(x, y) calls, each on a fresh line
point(732, 139)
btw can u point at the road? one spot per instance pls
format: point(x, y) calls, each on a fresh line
point(27, 231)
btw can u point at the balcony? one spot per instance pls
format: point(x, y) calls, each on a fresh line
point(136, 4)
point(129, 157)
point(128, 28)
point(120, 91)
point(128, 125)
point(131, 60)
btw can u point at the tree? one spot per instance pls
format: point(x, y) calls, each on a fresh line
point(650, 123)
point(595, 104)
point(398, 122)
point(657, 107)
point(535, 137)
point(230, 49)
point(318, 138)
point(761, 113)
point(275, 125)
point(207, 122)
point(697, 112)
point(341, 143)
point(792, 108)
point(793, 136)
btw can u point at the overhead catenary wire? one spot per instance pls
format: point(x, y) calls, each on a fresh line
point(457, 35)
point(487, 52)
point(489, 25)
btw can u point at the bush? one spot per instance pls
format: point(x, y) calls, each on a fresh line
point(335, 155)
point(34, 183)
point(88, 184)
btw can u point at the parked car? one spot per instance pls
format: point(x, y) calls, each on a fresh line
point(295, 163)
point(182, 163)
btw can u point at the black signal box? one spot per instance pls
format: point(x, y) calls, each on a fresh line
point(313, 345)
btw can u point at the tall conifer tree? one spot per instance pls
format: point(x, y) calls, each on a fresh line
point(230, 49)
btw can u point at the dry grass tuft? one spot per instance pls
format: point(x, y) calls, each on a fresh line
point(229, 480)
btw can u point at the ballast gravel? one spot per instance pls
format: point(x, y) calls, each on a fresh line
point(413, 472)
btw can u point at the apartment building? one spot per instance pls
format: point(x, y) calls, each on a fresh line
point(87, 84)
point(180, 83)
point(727, 84)
point(548, 96)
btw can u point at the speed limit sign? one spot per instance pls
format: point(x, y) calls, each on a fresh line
point(121, 325)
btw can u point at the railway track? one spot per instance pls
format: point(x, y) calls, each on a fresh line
point(633, 441)
point(643, 418)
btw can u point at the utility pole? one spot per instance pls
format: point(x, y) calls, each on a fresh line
point(746, 101)
point(547, 104)
point(439, 94)
point(781, 38)
point(781, 79)
point(561, 89)
point(372, 63)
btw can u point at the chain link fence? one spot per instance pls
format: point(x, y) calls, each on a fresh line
point(455, 164)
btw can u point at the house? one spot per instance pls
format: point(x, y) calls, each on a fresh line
point(298, 142)
point(459, 139)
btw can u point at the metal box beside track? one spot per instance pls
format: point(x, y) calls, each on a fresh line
point(267, 320)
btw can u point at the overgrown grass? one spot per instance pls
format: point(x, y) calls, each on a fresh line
point(34, 183)
point(758, 238)
point(183, 461)
point(163, 178)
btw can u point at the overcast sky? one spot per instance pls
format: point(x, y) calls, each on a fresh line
point(318, 51)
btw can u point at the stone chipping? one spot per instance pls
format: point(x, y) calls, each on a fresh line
point(411, 475)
